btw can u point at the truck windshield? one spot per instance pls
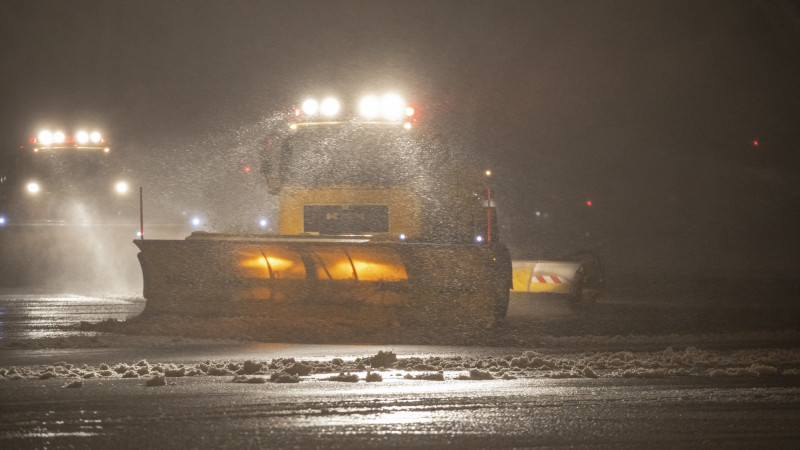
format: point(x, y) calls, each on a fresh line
point(67, 170)
point(351, 155)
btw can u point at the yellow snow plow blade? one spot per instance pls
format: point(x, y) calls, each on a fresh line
point(576, 278)
point(544, 276)
point(219, 275)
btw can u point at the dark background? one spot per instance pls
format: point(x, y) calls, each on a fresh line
point(648, 109)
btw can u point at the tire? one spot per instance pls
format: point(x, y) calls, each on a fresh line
point(576, 289)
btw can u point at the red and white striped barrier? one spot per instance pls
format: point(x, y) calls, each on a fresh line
point(547, 279)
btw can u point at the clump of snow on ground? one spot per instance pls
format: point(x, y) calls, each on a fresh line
point(669, 362)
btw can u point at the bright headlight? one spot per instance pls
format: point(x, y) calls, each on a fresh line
point(329, 107)
point(82, 137)
point(96, 137)
point(310, 107)
point(121, 187)
point(370, 107)
point(45, 137)
point(58, 137)
point(392, 107)
point(32, 187)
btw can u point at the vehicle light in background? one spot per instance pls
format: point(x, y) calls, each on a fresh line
point(403, 237)
point(329, 107)
point(139, 234)
point(409, 111)
point(45, 137)
point(246, 169)
point(478, 238)
point(121, 187)
point(310, 107)
point(32, 140)
point(196, 222)
point(2, 220)
point(82, 137)
point(58, 137)
point(263, 223)
point(96, 137)
point(407, 125)
point(33, 187)
point(588, 203)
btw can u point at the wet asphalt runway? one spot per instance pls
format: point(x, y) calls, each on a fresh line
point(213, 412)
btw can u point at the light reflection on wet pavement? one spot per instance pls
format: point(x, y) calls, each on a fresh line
point(32, 316)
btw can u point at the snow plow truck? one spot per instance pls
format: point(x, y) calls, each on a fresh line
point(66, 213)
point(377, 217)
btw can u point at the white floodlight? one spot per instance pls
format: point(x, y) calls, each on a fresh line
point(45, 137)
point(370, 107)
point(310, 107)
point(58, 137)
point(329, 107)
point(121, 187)
point(82, 137)
point(392, 107)
point(33, 187)
point(96, 137)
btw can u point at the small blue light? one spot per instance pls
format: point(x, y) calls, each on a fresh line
point(538, 214)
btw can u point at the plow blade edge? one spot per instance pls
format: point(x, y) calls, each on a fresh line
point(208, 277)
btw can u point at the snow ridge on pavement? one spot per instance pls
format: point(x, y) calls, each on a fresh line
point(669, 362)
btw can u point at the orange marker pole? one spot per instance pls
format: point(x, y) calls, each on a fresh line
point(141, 215)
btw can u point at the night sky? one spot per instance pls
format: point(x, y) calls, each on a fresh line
point(649, 109)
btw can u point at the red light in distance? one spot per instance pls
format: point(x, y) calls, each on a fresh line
point(588, 203)
point(755, 143)
point(247, 169)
